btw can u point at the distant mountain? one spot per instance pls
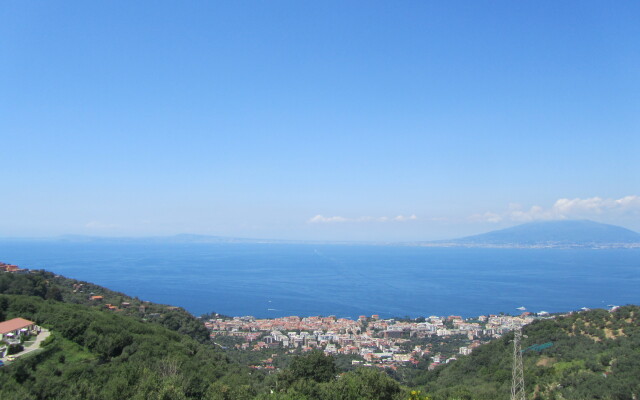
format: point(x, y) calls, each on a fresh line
point(569, 232)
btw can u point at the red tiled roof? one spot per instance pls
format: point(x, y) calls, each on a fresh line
point(14, 324)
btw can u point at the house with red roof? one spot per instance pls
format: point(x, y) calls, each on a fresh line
point(10, 268)
point(15, 327)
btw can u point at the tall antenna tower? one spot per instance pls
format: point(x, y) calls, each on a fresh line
point(517, 384)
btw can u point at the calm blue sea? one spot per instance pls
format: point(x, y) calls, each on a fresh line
point(269, 280)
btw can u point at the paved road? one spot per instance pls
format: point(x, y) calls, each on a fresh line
point(33, 346)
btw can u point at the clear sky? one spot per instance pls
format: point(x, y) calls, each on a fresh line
point(349, 120)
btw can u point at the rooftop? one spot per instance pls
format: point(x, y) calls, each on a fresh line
point(14, 324)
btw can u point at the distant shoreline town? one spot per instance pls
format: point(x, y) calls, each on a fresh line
point(547, 245)
point(372, 341)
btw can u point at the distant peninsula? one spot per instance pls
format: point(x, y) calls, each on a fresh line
point(549, 234)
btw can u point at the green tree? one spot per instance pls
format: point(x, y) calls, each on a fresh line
point(314, 366)
point(364, 384)
point(53, 293)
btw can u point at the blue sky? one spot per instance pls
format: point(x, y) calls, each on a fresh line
point(316, 120)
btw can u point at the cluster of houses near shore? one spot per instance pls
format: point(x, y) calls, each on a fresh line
point(4, 267)
point(381, 342)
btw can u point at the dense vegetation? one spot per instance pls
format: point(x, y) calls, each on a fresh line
point(595, 355)
point(100, 355)
point(140, 350)
point(46, 285)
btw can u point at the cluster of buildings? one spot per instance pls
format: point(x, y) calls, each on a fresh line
point(375, 341)
point(12, 268)
point(97, 299)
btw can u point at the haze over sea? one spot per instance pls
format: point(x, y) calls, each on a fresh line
point(273, 280)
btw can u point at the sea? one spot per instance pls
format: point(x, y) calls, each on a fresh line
point(275, 280)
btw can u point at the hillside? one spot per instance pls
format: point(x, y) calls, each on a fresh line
point(46, 285)
point(115, 347)
point(568, 232)
point(99, 355)
point(595, 355)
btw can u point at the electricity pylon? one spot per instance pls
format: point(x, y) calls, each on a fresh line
point(517, 383)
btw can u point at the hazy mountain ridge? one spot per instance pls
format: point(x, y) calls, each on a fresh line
point(566, 233)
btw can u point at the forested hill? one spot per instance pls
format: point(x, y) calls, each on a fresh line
point(595, 355)
point(46, 285)
point(95, 352)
